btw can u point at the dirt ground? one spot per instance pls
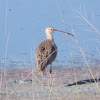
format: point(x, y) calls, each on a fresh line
point(22, 84)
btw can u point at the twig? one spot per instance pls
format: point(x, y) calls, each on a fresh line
point(88, 22)
point(63, 22)
point(98, 50)
point(85, 60)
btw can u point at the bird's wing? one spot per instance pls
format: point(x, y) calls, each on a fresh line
point(43, 54)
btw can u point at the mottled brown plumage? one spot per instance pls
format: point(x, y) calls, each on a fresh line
point(46, 54)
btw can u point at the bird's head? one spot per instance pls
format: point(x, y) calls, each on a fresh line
point(50, 30)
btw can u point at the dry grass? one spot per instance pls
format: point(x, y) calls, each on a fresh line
point(64, 86)
point(70, 83)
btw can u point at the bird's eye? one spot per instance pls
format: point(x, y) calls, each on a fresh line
point(51, 29)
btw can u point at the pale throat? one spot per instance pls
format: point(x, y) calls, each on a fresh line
point(49, 36)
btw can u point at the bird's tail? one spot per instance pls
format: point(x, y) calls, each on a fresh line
point(41, 69)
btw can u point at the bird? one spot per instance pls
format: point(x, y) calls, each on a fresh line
point(46, 53)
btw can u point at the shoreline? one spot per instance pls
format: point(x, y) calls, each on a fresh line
point(24, 84)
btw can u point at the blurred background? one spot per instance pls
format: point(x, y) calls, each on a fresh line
point(22, 29)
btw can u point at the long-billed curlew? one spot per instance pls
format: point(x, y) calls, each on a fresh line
point(46, 52)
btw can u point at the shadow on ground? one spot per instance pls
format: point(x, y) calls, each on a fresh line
point(84, 82)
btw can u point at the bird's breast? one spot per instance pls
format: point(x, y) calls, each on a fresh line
point(46, 52)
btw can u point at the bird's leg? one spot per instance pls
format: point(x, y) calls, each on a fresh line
point(43, 78)
point(50, 74)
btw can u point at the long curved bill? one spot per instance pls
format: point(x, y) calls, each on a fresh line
point(63, 32)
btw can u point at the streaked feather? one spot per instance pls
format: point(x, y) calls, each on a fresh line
point(45, 54)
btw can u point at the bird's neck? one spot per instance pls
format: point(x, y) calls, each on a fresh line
point(49, 36)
